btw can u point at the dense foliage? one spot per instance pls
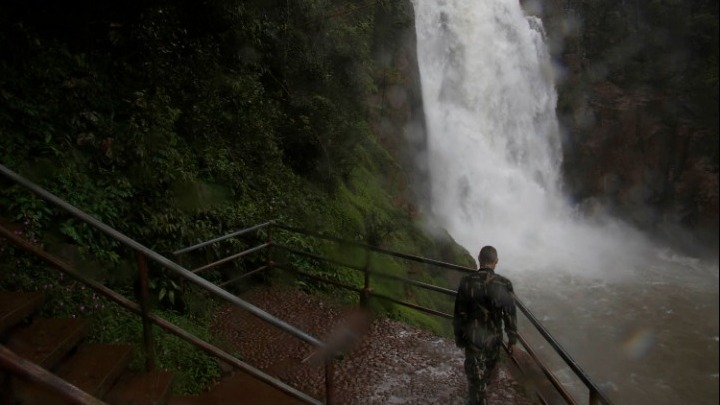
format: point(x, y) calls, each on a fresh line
point(178, 121)
point(171, 117)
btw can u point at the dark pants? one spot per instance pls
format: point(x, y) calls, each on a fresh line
point(479, 364)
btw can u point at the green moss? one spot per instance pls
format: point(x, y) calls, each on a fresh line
point(425, 321)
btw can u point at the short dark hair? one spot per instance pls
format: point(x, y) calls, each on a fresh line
point(488, 255)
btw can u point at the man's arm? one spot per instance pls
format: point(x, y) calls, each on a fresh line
point(510, 316)
point(460, 314)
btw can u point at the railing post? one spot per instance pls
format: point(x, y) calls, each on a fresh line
point(365, 294)
point(329, 380)
point(145, 306)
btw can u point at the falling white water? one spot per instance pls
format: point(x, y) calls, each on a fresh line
point(620, 305)
point(494, 143)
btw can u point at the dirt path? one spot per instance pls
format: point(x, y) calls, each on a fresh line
point(392, 363)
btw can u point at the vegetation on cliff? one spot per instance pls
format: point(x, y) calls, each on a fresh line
point(178, 121)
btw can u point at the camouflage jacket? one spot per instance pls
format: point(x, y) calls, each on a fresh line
point(483, 303)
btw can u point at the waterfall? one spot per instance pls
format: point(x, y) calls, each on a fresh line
point(494, 145)
point(620, 304)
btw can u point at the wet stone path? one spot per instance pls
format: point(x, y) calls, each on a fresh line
point(384, 361)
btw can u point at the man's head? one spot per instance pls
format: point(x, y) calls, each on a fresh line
point(488, 257)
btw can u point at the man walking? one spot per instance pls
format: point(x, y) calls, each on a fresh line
point(484, 302)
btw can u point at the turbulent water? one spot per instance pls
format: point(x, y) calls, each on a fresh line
point(642, 320)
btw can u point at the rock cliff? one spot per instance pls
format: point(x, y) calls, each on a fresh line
point(638, 102)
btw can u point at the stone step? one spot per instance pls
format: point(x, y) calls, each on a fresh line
point(151, 388)
point(46, 341)
point(16, 306)
point(94, 368)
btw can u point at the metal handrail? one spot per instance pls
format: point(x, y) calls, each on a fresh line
point(164, 324)
point(574, 366)
point(242, 276)
point(181, 271)
point(167, 263)
point(595, 394)
point(546, 371)
point(230, 258)
point(221, 238)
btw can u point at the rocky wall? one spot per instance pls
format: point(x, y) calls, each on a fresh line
point(639, 127)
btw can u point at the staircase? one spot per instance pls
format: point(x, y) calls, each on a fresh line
point(57, 345)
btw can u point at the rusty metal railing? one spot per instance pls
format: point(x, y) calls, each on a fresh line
point(145, 253)
point(365, 292)
point(595, 396)
point(269, 264)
